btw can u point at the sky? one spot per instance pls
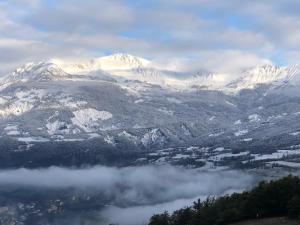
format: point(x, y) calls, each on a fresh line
point(218, 35)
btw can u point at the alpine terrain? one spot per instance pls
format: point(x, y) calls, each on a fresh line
point(125, 110)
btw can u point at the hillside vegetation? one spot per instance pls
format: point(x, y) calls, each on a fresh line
point(269, 221)
point(278, 198)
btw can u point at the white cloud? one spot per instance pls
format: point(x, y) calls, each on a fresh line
point(205, 29)
point(91, 16)
point(219, 61)
point(138, 191)
point(230, 61)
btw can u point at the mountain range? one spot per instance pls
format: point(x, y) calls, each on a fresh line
point(123, 101)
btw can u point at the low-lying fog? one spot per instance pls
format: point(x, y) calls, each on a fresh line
point(138, 192)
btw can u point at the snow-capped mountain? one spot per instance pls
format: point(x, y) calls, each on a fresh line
point(34, 72)
point(114, 63)
point(267, 74)
point(123, 100)
point(124, 67)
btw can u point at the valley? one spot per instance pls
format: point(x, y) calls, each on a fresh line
point(124, 115)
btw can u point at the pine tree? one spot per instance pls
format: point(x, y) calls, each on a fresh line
point(293, 207)
point(160, 219)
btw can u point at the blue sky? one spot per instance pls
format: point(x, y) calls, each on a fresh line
point(218, 35)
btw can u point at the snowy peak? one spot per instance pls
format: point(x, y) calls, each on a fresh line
point(267, 74)
point(121, 62)
point(123, 67)
point(41, 71)
point(111, 64)
point(207, 80)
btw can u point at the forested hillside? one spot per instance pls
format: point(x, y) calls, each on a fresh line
point(269, 221)
point(278, 198)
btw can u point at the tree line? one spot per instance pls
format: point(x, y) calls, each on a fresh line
point(268, 199)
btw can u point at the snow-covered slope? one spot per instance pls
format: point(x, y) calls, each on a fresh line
point(123, 68)
point(125, 98)
point(127, 67)
point(267, 74)
point(113, 63)
point(37, 72)
point(48, 71)
point(121, 62)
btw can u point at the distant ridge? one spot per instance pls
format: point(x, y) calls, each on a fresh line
point(122, 67)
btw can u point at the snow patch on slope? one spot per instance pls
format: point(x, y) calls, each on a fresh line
point(128, 136)
point(264, 75)
point(12, 130)
point(57, 127)
point(153, 137)
point(240, 133)
point(33, 139)
point(110, 140)
point(23, 102)
point(254, 118)
point(87, 119)
point(68, 101)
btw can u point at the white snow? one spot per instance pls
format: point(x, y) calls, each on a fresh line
point(16, 108)
point(238, 122)
point(174, 100)
point(284, 163)
point(219, 149)
point(2, 101)
point(181, 156)
point(11, 127)
point(274, 117)
point(161, 160)
point(216, 134)
point(264, 75)
point(295, 133)
point(254, 118)
point(70, 139)
point(128, 136)
point(152, 137)
point(247, 139)
point(276, 155)
point(139, 101)
point(68, 101)
point(227, 155)
point(33, 139)
point(31, 95)
point(52, 127)
point(24, 102)
point(186, 130)
point(109, 140)
point(94, 135)
point(166, 111)
point(87, 119)
point(230, 103)
point(192, 148)
point(120, 61)
point(240, 133)
point(57, 127)
point(13, 133)
point(127, 67)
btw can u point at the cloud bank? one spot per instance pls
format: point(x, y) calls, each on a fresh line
point(139, 191)
point(216, 33)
